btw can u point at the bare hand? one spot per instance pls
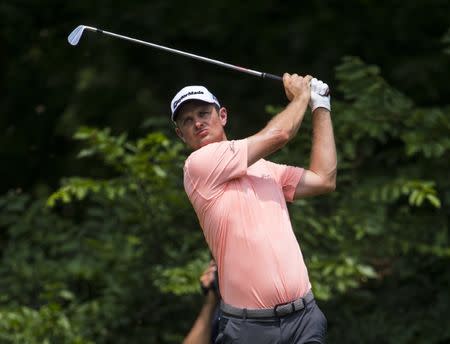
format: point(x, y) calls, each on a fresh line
point(209, 275)
point(296, 86)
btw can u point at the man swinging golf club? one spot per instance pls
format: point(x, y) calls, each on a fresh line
point(240, 200)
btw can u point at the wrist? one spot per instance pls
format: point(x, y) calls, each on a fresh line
point(211, 298)
point(320, 110)
point(300, 101)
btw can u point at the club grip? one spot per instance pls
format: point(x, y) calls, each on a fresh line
point(271, 76)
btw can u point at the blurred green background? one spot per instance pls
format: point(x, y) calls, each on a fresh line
point(98, 241)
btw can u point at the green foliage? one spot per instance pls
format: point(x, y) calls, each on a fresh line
point(388, 215)
point(108, 258)
point(106, 250)
point(182, 279)
point(392, 193)
point(401, 308)
point(142, 165)
point(390, 200)
point(417, 191)
point(116, 254)
point(47, 325)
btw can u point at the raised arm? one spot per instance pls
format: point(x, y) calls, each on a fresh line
point(320, 178)
point(285, 124)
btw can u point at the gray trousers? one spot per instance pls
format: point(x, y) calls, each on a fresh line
point(308, 325)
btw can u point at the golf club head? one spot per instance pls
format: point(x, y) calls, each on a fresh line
point(75, 35)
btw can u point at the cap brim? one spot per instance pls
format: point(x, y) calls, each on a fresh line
point(175, 113)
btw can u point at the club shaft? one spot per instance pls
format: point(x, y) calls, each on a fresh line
point(184, 53)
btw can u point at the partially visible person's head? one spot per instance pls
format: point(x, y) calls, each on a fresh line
point(198, 117)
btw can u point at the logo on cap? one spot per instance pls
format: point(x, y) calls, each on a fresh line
point(192, 92)
point(176, 102)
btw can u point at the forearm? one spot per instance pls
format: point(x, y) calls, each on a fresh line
point(290, 119)
point(277, 132)
point(284, 125)
point(323, 152)
point(200, 332)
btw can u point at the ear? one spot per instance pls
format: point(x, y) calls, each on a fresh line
point(180, 134)
point(223, 116)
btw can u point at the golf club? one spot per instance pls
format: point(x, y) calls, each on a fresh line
point(76, 34)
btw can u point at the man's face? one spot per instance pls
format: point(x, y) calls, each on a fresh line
point(199, 123)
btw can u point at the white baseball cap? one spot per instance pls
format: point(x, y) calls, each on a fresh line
point(191, 92)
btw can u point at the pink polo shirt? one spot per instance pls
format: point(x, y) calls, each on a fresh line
point(242, 211)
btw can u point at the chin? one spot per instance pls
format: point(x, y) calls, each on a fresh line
point(204, 143)
point(199, 145)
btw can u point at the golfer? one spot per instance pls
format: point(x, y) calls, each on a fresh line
point(240, 200)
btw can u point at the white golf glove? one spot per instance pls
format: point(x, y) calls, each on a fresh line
point(320, 95)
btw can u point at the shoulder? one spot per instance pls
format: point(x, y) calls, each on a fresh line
point(215, 150)
point(217, 162)
point(204, 155)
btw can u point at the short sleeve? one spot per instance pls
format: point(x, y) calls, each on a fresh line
point(209, 167)
point(287, 177)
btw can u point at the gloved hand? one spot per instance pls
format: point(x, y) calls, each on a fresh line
point(320, 95)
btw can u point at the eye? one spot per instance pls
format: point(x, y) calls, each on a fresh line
point(203, 113)
point(187, 121)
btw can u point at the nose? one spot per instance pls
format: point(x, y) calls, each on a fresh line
point(198, 123)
